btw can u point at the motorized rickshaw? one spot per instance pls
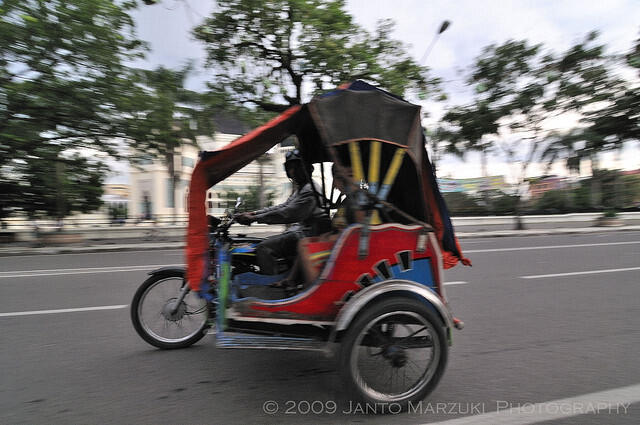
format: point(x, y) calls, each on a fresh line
point(372, 293)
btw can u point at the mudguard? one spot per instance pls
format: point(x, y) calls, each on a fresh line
point(168, 270)
point(390, 288)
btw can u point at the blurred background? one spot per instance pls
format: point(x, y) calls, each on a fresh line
point(528, 107)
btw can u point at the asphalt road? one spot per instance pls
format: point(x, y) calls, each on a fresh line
point(552, 324)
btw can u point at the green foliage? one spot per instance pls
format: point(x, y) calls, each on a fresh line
point(63, 86)
point(606, 189)
point(614, 190)
point(502, 203)
point(250, 198)
point(472, 123)
point(493, 202)
point(554, 202)
point(587, 84)
point(59, 185)
point(582, 198)
point(63, 78)
point(630, 191)
point(460, 203)
point(264, 53)
point(168, 115)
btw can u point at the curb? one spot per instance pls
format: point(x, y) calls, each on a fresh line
point(52, 250)
point(545, 232)
point(15, 251)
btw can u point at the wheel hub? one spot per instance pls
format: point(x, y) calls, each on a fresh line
point(397, 356)
point(173, 313)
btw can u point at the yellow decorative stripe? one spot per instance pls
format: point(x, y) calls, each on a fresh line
point(356, 161)
point(374, 163)
point(375, 218)
point(396, 162)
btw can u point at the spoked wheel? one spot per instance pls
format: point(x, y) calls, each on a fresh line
point(160, 320)
point(395, 352)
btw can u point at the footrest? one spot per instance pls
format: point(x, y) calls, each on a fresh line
point(255, 279)
point(237, 340)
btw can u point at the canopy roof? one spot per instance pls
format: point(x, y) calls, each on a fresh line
point(333, 127)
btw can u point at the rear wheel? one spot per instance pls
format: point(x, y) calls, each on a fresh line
point(163, 323)
point(394, 352)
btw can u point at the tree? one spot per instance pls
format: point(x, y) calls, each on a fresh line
point(509, 107)
point(620, 121)
point(607, 105)
point(519, 87)
point(64, 86)
point(275, 54)
point(75, 184)
point(170, 115)
point(586, 85)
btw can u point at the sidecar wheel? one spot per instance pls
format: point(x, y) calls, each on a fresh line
point(159, 322)
point(394, 352)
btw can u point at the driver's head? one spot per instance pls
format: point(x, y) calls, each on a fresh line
point(296, 169)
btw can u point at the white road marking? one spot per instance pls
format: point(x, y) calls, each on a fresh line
point(102, 252)
point(456, 283)
point(528, 248)
point(88, 270)
point(540, 276)
point(614, 401)
point(64, 310)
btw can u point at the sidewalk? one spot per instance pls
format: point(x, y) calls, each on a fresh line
point(109, 245)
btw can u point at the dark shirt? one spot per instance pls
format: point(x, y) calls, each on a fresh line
point(301, 208)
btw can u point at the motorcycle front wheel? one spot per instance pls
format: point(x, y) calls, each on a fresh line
point(163, 323)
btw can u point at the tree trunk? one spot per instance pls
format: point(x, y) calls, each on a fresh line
point(518, 224)
point(485, 191)
point(60, 201)
point(596, 184)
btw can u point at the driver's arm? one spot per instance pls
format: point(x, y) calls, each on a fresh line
point(298, 207)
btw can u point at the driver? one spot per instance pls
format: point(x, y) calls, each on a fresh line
point(301, 208)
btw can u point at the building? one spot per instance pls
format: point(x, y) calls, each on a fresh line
point(538, 186)
point(151, 194)
point(474, 185)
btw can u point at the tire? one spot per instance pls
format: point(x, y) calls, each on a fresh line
point(388, 341)
point(153, 320)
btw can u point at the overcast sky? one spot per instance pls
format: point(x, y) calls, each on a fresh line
point(474, 24)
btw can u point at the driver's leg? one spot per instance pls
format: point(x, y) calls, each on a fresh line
point(274, 247)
